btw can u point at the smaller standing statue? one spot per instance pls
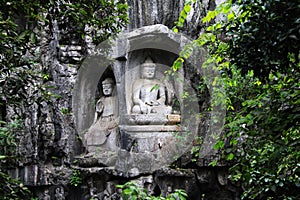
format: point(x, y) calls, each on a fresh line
point(46, 195)
point(59, 193)
point(149, 94)
point(102, 135)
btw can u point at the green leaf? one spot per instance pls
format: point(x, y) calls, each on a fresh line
point(2, 157)
point(213, 163)
point(219, 145)
point(187, 8)
point(175, 30)
point(177, 64)
point(155, 87)
point(22, 35)
point(230, 16)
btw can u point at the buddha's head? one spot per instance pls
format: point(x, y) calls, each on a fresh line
point(148, 69)
point(107, 86)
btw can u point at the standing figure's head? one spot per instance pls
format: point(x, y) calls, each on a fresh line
point(107, 86)
point(148, 69)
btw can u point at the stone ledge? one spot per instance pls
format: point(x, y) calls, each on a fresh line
point(152, 128)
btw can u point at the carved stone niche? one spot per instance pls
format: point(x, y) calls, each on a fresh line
point(151, 96)
point(151, 114)
point(153, 107)
point(152, 110)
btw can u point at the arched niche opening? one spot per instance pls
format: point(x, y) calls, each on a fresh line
point(163, 60)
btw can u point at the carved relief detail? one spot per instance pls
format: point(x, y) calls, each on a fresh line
point(103, 133)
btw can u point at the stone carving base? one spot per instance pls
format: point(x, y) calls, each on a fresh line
point(144, 149)
point(146, 119)
point(151, 138)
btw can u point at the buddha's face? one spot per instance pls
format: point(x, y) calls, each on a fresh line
point(107, 89)
point(148, 72)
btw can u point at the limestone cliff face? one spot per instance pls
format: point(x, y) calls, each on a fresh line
point(145, 12)
point(51, 141)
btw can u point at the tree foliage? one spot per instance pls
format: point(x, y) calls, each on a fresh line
point(21, 25)
point(11, 189)
point(131, 191)
point(255, 47)
point(264, 36)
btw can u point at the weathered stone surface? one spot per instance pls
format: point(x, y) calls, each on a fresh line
point(150, 95)
point(144, 132)
point(174, 119)
point(145, 12)
point(98, 158)
point(149, 119)
point(103, 134)
point(42, 175)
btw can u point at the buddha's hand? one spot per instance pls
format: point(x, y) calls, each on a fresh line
point(152, 103)
point(144, 108)
point(155, 103)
